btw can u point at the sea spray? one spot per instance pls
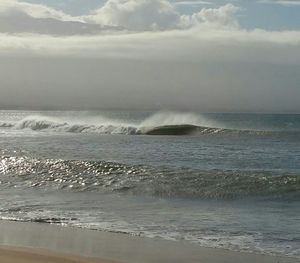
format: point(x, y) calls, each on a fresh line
point(161, 123)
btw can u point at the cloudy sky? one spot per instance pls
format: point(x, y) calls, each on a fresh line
point(200, 55)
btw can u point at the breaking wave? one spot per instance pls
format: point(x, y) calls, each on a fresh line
point(164, 123)
point(104, 126)
point(137, 179)
point(6, 125)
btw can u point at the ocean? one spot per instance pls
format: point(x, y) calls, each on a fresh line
point(219, 180)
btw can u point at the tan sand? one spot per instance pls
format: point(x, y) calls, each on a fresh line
point(108, 246)
point(18, 255)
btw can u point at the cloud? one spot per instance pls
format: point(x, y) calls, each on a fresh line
point(132, 15)
point(221, 17)
point(281, 2)
point(206, 85)
point(143, 15)
point(20, 17)
point(137, 14)
point(20, 23)
point(154, 31)
point(191, 3)
point(14, 7)
point(157, 57)
point(197, 45)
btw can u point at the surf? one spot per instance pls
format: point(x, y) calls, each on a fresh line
point(158, 124)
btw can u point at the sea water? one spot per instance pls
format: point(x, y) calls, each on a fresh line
point(233, 182)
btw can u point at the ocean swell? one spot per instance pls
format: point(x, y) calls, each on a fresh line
point(158, 124)
point(142, 180)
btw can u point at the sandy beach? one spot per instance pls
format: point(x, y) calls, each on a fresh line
point(22, 255)
point(33, 242)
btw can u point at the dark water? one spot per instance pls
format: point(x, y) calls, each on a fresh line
point(233, 182)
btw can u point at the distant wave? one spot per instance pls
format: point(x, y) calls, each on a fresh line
point(183, 129)
point(187, 129)
point(143, 180)
point(158, 124)
point(44, 124)
point(6, 124)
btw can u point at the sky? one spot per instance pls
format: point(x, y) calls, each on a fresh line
point(204, 55)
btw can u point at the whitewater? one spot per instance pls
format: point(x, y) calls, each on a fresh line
point(218, 180)
point(161, 123)
point(103, 125)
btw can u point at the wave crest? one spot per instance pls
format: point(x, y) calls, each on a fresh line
point(39, 123)
point(154, 125)
point(165, 123)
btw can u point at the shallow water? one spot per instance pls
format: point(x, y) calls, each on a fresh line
point(236, 186)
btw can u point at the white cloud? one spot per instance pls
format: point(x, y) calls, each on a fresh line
point(195, 45)
point(281, 2)
point(20, 17)
point(132, 15)
point(203, 59)
point(220, 17)
point(137, 14)
point(12, 7)
point(155, 31)
point(141, 15)
point(192, 3)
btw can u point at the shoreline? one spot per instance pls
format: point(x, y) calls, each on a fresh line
point(36, 241)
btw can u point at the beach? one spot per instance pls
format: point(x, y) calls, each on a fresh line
point(32, 242)
point(22, 255)
point(153, 131)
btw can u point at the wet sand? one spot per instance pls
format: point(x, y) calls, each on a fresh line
point(22, 255)
point(27, 242)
